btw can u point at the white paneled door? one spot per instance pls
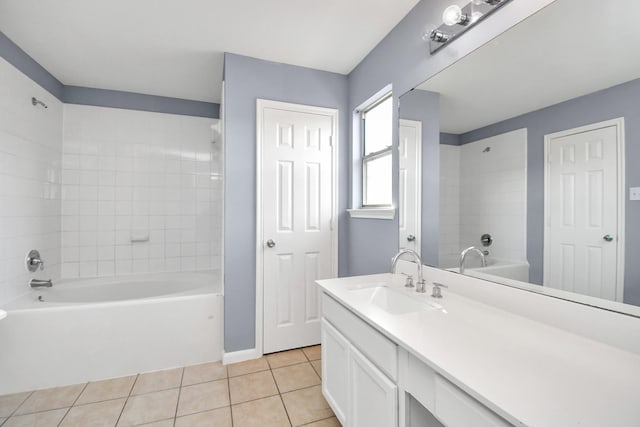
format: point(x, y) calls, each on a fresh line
point(296, 234)
point(410, 133)
point(582, 208)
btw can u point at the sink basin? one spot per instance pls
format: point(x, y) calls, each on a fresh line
point(391, 300)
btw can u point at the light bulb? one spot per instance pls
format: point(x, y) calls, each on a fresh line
point(475, 16)
point(452, 15)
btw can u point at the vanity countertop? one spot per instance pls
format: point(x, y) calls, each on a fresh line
point(528, 372)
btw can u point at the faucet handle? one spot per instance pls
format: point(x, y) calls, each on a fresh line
point(437, 291)
point(33, 261)
point(409, 282)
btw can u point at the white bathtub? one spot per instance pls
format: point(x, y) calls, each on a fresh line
point(86, 330)
point(512, 270)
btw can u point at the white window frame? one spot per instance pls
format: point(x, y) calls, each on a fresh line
point(372, 156)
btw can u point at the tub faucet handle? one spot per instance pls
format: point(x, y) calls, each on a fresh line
point(33, 261)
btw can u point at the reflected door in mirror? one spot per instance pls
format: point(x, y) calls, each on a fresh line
point(410, 135)
point(582, 213)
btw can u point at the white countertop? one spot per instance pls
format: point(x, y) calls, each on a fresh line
point(527, 372)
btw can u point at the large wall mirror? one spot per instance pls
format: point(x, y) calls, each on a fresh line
point(537, 134)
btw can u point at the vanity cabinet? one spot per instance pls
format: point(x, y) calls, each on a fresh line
point(369, 381)
point(335, 370)
point(356, 364)
point(439, 397)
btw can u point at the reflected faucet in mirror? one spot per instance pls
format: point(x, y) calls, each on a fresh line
point(463, 257)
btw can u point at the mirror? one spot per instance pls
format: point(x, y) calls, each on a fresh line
point(527, 155)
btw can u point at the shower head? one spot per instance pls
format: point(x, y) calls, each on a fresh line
point(35, 101)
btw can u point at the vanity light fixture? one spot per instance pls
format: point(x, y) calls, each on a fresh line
point(456, 20)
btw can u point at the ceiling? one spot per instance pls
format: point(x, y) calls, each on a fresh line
point(570, 48)
point(175, 48)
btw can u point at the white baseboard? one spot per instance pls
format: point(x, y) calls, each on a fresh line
point(240, 356)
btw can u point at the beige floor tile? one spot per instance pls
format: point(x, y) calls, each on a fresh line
point(307, 405)
point(163, 423)
point(10, 402)
point(295, 377)
point(286, 358)
point(317, 366)
point(147, 408)
point(267, 412)
point(204, 373)
point(106, 390)
point(248, 367)
point(252, 386)
point(329, 422)
point(100, 414)
point(312, 353)
point(156, 381)
point(203, 397)
point(217, 418)
point(52, 398)
point(40, 419)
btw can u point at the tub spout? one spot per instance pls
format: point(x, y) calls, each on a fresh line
point(37, 283)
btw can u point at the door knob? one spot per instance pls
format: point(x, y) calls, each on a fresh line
point(271, 243)
point(608, 238)
point(411, 238)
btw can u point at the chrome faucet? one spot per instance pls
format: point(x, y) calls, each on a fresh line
point(463, 257)
point(37, 283)
point(396, 258)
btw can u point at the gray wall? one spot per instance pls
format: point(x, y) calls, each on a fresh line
point(139, 101)
point(17, 57)
point(424, 106)
point(450, 139)
point(402, 59)
point(619, 101)
point(29, 67)
point(247, 79)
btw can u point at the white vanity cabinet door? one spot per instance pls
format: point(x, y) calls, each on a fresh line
point(335, 368)
point(373, 397)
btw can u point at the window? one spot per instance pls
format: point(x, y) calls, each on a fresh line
point(376, 153)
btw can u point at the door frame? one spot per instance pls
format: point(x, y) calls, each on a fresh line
point(262, 104)
point(618, 123)
point(417, 124)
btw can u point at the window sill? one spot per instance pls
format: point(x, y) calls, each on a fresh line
point(372, 213)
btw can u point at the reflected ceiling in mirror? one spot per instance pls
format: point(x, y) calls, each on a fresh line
point(534, 131)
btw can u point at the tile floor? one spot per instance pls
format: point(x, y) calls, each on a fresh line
point(281, 389)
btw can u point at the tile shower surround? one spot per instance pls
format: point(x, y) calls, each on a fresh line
point(484, 192)
point(30, 178)
point(132, 175)
point(280, 389)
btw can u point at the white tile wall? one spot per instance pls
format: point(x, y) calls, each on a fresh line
point(493, 194)
point(449, 205)
point(132, 175)
point(30, 156)
point(484, 192)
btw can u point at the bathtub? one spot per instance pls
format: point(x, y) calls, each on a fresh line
point(512, 270)
point(92, 329)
